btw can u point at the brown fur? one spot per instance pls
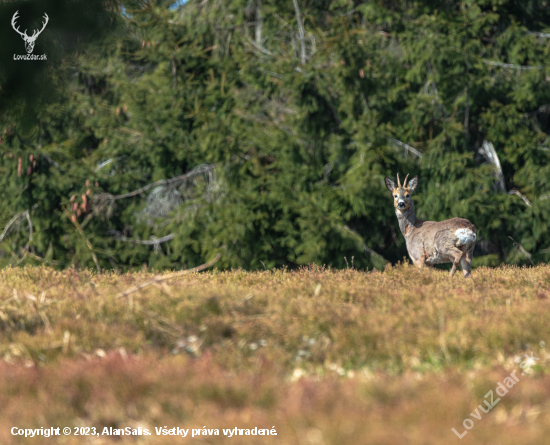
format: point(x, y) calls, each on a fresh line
point(432, 242)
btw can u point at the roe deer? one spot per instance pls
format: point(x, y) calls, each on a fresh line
point(431, 242)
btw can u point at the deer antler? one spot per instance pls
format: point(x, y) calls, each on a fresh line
point(398, 182)
point(37, 33)
point(405, 181)
point(13, 19)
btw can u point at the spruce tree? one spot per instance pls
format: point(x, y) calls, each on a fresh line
point(263, 130)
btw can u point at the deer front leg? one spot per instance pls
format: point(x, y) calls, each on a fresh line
point(421, 262)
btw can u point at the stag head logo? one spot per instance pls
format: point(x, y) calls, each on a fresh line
point(29, 41)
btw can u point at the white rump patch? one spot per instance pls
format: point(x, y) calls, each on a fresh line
point(465, 236)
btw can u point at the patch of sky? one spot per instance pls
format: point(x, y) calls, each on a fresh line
point(177, 4)
point(174, 5)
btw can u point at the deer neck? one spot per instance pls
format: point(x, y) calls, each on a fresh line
point(406, 219)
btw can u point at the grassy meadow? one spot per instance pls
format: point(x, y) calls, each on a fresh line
point(323, 356)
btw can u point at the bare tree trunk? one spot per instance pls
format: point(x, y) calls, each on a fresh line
point(467, 111)
point(301, 32)
point(259, 22)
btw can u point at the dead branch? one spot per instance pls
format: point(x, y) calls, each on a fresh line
point(103, 200)
point(539, 34)
point(434, 87)
point(542, 109)
point(154, 241)
point(467, 109)
point(414, 151)
point(258, 46)
point(365, 247)
point(19, 216)
point(197, 171)
point(373, 253)
point(149, 242)
point(515, 192)
point(12, 221)
point(259, 22)
point(522, 250)
point(160, 278)
point(512, 66)
point(37, 258)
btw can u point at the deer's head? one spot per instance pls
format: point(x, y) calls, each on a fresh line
point(401, 193)
point(29, 41)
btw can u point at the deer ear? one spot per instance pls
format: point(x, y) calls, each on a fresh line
point(389, 184)
point(413, 183)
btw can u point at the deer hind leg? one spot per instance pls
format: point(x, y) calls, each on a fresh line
point(466, 262)
point(457, 255)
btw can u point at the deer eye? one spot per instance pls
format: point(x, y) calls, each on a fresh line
point(395, 196)
point(407, 195)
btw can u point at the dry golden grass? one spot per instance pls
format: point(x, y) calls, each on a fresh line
point(327, 357)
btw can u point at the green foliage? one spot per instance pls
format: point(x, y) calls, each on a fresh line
point(285, 129)
point(71, 25)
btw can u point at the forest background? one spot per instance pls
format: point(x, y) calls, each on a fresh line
point(163, 133)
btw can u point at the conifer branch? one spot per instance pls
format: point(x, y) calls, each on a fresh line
point(434, 87)
point(79, 228)
point(174, 74)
